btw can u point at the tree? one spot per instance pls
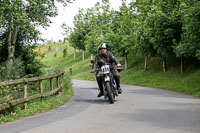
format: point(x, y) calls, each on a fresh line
point(91, 27)
point(143, 30)
point(23, 16)
point(96, 35)
point(124, 43)
point(165, 27)
point(81, 28)
point(67, 31)
point(189, 44)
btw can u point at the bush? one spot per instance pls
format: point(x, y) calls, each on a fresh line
point(12, 71)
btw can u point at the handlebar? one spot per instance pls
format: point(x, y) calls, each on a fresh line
point(119, 69)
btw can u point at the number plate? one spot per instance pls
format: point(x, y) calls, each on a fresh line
point(105, 69)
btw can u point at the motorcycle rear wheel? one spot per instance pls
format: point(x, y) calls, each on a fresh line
point(110, 93)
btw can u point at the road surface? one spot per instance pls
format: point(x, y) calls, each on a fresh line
point(137, 110)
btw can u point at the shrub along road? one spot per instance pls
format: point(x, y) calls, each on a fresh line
point(137, 110)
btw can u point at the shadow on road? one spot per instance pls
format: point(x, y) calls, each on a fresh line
point(179, 118)
point(93, 88)
point(93, 101)
point(160, 93)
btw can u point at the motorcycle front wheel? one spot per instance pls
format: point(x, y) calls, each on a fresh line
point(109, 93)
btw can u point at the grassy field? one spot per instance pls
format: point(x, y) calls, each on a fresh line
point(187, 83)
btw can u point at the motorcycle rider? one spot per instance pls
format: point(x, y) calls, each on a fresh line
point(105, 57)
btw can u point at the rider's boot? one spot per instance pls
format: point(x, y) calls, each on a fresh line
point(100, 93)
point(99, 81)
point(119, 90)
point(118, 85)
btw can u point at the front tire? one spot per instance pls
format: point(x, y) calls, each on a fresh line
point(110, 93)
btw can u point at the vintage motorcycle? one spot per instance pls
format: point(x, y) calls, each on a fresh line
point(109, 83)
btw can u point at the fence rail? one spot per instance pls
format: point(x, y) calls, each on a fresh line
point(25, 81)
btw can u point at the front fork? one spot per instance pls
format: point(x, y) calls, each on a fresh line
point(106, 78)
point(113, 84)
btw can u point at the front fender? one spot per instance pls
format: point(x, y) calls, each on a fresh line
point(107, 78)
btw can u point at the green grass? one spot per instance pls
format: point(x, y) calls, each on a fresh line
point(36, 106)
point(52, 64)
point(172, 79)
point(79, 68)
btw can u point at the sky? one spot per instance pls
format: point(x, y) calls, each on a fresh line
point(66, 15)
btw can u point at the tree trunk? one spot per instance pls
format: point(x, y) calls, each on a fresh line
point(12, 37)
point(145, 63)
point(164, 64)
point(182, 65)
point(83, 54)
point(126, 63)
point(9, 44)
point(74, 53)
point(91, 56)
point(68, 48)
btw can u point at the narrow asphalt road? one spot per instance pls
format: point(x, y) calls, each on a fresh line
point(137, 110)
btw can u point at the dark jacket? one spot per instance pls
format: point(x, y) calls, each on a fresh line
point(100, 59)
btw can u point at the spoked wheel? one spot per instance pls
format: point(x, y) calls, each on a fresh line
point(110, 93)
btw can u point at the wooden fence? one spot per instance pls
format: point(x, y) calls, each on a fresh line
point(59, 77)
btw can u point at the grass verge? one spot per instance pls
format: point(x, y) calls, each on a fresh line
point(36, 106)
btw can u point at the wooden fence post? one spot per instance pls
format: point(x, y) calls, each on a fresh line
point(59, 79)
point(62, 78)
point(62, 81)
point(41, 89)
point(25, 94)
point(51, 83)
point(58, 84)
